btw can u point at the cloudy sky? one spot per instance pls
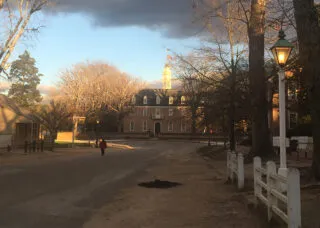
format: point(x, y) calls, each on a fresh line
point(131, 34)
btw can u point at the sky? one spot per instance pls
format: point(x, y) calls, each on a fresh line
point(131, 34)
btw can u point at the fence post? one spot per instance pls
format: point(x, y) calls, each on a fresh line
point(293, 194)
point(256, 176)
point(233, 165)
point(240, 171)
point(271, 183)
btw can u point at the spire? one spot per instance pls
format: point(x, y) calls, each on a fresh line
point(166, 76)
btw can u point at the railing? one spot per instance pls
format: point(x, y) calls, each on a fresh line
point(267, 185)
point(276, 141)
point(235, 168)
point(305, 144)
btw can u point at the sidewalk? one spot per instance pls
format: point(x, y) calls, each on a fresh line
point(202, 200)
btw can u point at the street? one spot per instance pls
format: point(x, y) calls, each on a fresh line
point(65, 192)
point(83, 189)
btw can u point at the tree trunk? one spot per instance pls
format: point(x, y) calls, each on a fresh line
point(12, 44)
point(261, 144)
point(193, 120)
point(308, 31)
point(53, 136)
point(1, 4)
point(232, 108)
point(119, 123)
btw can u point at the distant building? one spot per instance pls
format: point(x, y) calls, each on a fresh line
point(15, 126)
point(159, 111)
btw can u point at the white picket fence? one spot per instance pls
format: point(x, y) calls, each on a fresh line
point(276, 141)
point(266, 188)
point(235, 168)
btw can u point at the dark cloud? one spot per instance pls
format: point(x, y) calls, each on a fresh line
point(174, 18)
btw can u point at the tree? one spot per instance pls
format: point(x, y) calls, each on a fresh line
point(253, 15)
point(308, 30)
point(92, 89)
point(190, 71)
point(261, 140)
point(16, 14)
point(26, 77)
point(53, 117)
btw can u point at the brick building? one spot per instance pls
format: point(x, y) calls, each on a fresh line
point(160, 111)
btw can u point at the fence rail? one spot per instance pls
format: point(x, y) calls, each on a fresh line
point(268, 189)
point(235, 168)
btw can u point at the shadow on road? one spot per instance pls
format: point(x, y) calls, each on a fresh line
point(159, 184)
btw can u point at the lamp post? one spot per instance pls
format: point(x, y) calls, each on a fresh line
point(281, 51)
point(97, 131)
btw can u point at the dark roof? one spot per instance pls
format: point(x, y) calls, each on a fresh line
point(164, 95)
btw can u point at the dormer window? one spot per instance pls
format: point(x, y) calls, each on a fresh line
point(183, 100)
point(158, 100)
point(170, 100)
point(145, 100)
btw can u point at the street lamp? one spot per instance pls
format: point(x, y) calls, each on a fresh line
point(97, 132)
point(281, 51)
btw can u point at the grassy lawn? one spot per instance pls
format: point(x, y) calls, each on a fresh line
point(63, 144)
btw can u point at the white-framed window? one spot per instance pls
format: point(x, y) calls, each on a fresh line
point(170, 126)
point(145, 125)
point(158, 100)
point(170, 112)
point(183, 126)
point(133, 100)
point(145, 100)
point(183, 100)
point(170, 100)
point(144, 112)
point(131, 125)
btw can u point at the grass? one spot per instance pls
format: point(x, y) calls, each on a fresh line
point(62, 144)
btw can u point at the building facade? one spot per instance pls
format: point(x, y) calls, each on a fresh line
point(15, 126)
point(159, 111)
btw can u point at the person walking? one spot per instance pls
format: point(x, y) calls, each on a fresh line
point(103, 146)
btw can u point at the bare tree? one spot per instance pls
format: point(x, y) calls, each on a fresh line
point(17, 13)
point(93, 88)
point(191, 70)
point(52, 116)
point(308, 30)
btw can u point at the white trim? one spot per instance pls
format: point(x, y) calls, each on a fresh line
point(157, 113)
point(158, 100)
point(145, 100)
point(171, 99)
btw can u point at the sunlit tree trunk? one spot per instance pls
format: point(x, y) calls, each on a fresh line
point(308, 31)
point(261, 144)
